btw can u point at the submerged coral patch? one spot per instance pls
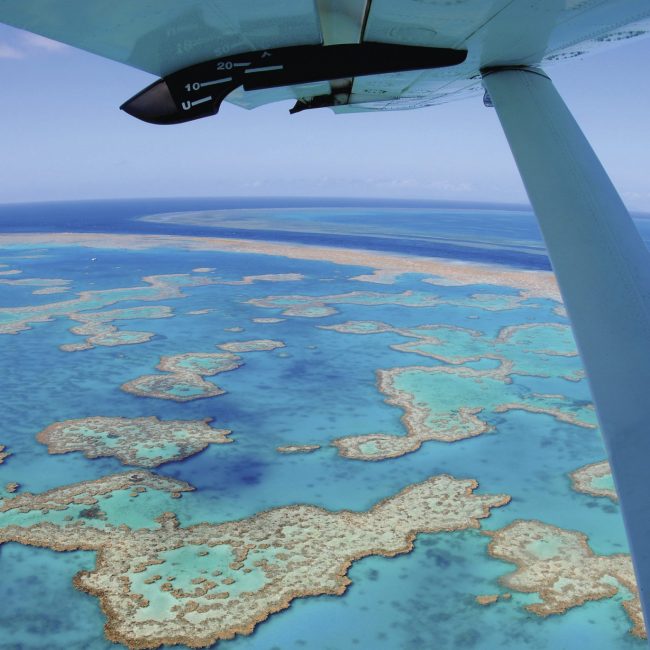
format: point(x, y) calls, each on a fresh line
point(157, 287)
point(266, 277)
point(320, 306)
point(379, 276)
point(48, 283)
point(257, 345)
point(46, 291)
point(12, 487)
point(361, 327)
point(199, 312)
point(99, 329)
point(297, 449)
point(179, 387)
point(487, 599)
point(492, 301)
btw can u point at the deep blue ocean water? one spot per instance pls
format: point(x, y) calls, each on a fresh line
point(320, 387)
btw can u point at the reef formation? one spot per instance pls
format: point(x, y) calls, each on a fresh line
point(320, 306)
point(161, 583)
point(157, 287)
point(595, 479)
point(183, 380)
point(297, 449)
point(267, 277)
point(257, 345)
point(529, 349)
point(99, 329)
point(539, 284)
point(453, 401)
point(561, 568)
point(450, 403)
point(143, 442)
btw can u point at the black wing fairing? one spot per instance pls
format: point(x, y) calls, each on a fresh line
point(198, 91)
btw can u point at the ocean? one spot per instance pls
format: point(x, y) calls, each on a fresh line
point(320, 386)
point(490, 233)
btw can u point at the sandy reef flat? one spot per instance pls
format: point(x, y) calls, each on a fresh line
point(534, 283)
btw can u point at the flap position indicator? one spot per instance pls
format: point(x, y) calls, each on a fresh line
point(198, 91)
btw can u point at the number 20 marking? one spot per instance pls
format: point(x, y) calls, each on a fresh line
point(224, 65)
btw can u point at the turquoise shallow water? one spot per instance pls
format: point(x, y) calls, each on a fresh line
point(320, 387)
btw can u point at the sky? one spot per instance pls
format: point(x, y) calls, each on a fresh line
point(62, 137)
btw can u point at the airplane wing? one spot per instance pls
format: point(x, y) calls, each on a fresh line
point(164, 37)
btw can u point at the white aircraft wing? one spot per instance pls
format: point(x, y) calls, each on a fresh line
point(165, 36)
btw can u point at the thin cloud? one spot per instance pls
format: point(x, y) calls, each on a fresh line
point(8, 52)
point(35, 40)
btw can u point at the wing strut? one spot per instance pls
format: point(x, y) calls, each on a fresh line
point(603, 270)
